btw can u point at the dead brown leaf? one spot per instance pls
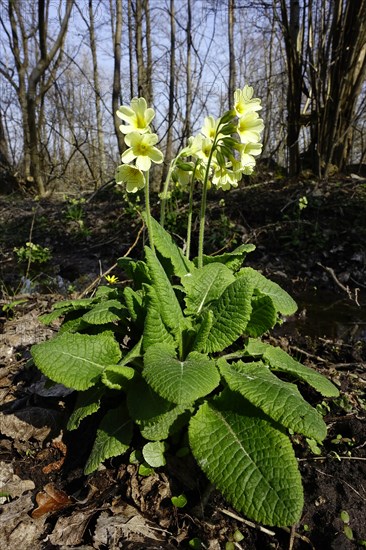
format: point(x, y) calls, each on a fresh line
point(49, 500)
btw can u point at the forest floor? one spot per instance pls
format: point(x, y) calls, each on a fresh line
point(317, 253)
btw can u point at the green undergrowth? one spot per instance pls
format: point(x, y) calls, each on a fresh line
point(179, 353)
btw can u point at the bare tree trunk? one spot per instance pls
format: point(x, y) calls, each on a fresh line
point(291, 32)
point(149, 63)
point(130, 47)
point(4, 149)
point(232, 64)
point(139, 50)
point(100, 144)
point(169, 138)
point(346, 74)
point(187, 121)
point(117, 49)
point(34, 78)
point(21, 66)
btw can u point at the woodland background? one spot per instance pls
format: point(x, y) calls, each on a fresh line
point(67, 65)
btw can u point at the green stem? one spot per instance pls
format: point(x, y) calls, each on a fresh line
point(203, 208)
point(147, 209)
point(190, 213)
point(165, 192)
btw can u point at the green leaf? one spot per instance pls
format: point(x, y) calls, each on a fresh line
point(168, 249)
point(231, 313)
point(113, 437)
point(180, 501)
point(281, 361)
point(65, 306)
point(87, 403)
point(226, 117)
point(203, 331)
point(153, 453)
point(132, 354)
point(156, 417)
point(155, 330)
point(105, 312)
point(179, 381)
point(280, 400)
point(133, 301)
point(280, 298)
point(233, 260)
point(116, 377)
point(263, 317)
point(80, 303)
point(255, 347)
point(76, 360)
point(205, 285)
point(48, 318)
point(137, 271)
point(185, 166)
point(73, 325)
point(169, 307)
point(250, 462)
point(107, 292)
point(145, 470)
point(228, 129)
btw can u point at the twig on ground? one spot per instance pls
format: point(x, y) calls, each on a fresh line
point(247, 522)
point(352, 296)
point(312, 458)
point(297, 536)
point(343, 481)
point(307, 354)
point(292, 538)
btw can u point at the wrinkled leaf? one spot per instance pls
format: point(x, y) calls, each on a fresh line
point(179, 381)
point(116, 377)
point(250, 462)
point(113, 437)
point(156, 417)
point(87, 403)
point(76, 360)
point(280, 298)
point(168, 249)
point(280, 400)
point(231, 313)
point(205, 285)
point(263, 317)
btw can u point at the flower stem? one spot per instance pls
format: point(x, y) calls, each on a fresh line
point(203, 208)
point(147, 209)
point(165, 192)
point(190, 213)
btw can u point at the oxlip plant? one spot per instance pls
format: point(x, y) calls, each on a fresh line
point(179, 350)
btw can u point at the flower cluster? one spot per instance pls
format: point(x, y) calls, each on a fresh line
point(220, 153)
point(141, 144)
point(226, 147)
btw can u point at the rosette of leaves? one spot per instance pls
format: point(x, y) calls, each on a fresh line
point(180, 350)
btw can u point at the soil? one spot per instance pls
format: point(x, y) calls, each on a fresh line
point(316, 253)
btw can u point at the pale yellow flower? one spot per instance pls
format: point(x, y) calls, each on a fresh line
point(131, 176)
point(209, 127)
point(244, 101)
point(142, 149)
point(247, 163)
point(253, 149)
point(203, 147)
point(227, 176)
point(138, 116)
point(183, 177)
point(249, 127)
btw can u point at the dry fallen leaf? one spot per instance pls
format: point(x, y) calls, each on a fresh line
point(49, 500)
